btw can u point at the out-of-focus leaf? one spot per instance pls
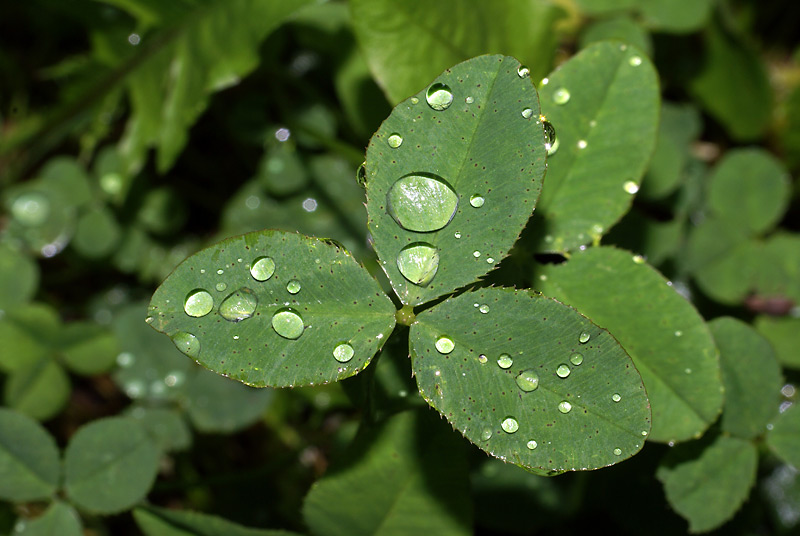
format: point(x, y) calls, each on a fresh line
point(39, 389)
point(26, 331)
point(19, 277)
point(97, 232)
point(622, 28)
point(88, 348)
point(29, 459)
point(784, 436)
point(784, 335)
point(675, 16)
point(655, 240)
point(166, 427)
point(60, 519)
point(155, 521)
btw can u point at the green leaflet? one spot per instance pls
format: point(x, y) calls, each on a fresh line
point(155, 521)
point(784, 436)
point(447, 196)
point(530, 380)
point(60, 519)
point(29, 459)
point(266, 308)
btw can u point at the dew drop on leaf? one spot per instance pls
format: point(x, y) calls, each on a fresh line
point(293, 286)
point(630, 187)
point(561, 96)
point(187, 343)
point(476, 254)
point(469, 100)
point(584, 337)
point(418, 263)
point(527, 380)
point(395, 140)
point(504, 361)
point(582, 144)
point(615, 397)
point(221, 286)
point(482, 359)
point(343, 353)
point(563, 370)
point(476, 200)
point(439, 97)
point(486, 435)
point(421, 203)
point(576, 359)
point(263, 268)
point(444, 345)
point(287, 324)
point(564, 406)
point(483, 308)
point(239, 305)
point(198, 303)
point(523, 72)
point(617, 452)
point(509, 425)
point(532, 444)
point(635, 61)
point(550, 139)
point(527, 113)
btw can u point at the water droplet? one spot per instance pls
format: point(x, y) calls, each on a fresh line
point(527, 113)
point(293, 286)
point(564, 406)
point(630, 187)
point(287, 324)
point(221, 286)
point(635, 61)
point(509, 425)
point(544, 81)
point(239, 305)
point(414, 100)
point(418, 263)
point(617, 452)
point(445, 345)
point(523, 71)
point(527, 380)
point(395, 140)
point(457, 235)
point(678, 333)
point(482, 359)
point(563, 370)
point(220, 271)
point(584, 337)
point(582, 144)
point(638, 259)
point(551, 142)
point(31, 209)
point(505, 361)
point(476, 200)
point(688, 371)
point(361, 175)
point(439, 97)
point(486, 435)
point(187, 343)
point(469, 100)
point(198, 303)
point(576, 359)
point(483, 308)
point(561, 96)
point(532, 444)
point(421, 203)
point(263, 268)
point(489, 260)
point(615, 397)
point(343, 353)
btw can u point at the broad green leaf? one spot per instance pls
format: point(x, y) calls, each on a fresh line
point(29, 459)
point(679, 126)
point(166, 427)
point(216, 404)
point(408, 43)
point(60, 519)
point(88, 348)
point(750, 187)
point(621, 28)
point(784, 335)
point(751, 376)
point(39, 389)
point(710, 486)
point(19, 277)
point(530, 380)
point(109, 465)
point(162, 211)
point(25, 331)
point(664, 334)
point(163, 522)
point(784, 436)
point(281, 171)
point(452, 177)
point(407, 475)
point(730, 63)
point(675, 16)
point(274, 308)
point(97, 233)
point(777, 272)
point(603, 104)
point(66, 180)
point(600, 7)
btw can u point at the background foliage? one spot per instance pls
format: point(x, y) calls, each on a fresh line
point(134, 133)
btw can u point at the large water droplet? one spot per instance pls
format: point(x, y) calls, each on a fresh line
point(584, 337)
point(198, 303)
point(576, 359)
point(343, 353)
point(563, 370)
point(187, 343)
point(287, 324)
point(527, 380)
point(421, 203)
point(293, 286)
point(476, 200)
point(263, 268)
point(31, 209)
point(615, 397)
point(361, 175)
point(439, 96)
point(395, 140)
point(486, 435)
point(239, 305)
point(561, 96)
point(505, 361)
point(532, 444)
point(550, 139)
point(445, 345)
point(509, 425)
point(523, 71)
point(418, 263)
point(564, 406)
point(630, 187)
point(527, 113)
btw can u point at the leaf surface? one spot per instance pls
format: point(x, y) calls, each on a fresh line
point(784, 335)
point(29, 458)
point(784, 437)
point(155, 521)
point(39, 389)
point(60, 519)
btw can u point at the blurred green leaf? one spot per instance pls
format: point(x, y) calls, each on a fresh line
point(19, 277)
point(676, 16)
point(670, 344)
point(784, 436)
point(603, 103)
point(88, 348)
point(25, 334)
point(530, 381)
point(109, 465)
point(166, 427)
point(599, 7)
point(39, 389)
point(751, 377)
point(97, 233)
point(155, 521)
point(29, 459)
point(620, 28)
point(447, 202)
point(655, 240)
point(411, 472)
point(784, 335)
point(60, 519)
point(281, 171)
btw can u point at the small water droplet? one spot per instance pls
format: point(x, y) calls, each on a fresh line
point(445, 345)
point(561, 96)
point(263, 268)
point(635, 61)
point(343, 353)
point(482, 359)
point(418, 262)
point(489, 260)
point(476, 200)
point(551, 142)
point(688, 371)
point(638, 259)
point(582, 144)
point(527, 380)
point(615, 397)
point(421, 202)
point(563, 370)
point(288, 324)
point(239, 305)
point(414, 100)
point(504, 361)
point(220, 271)
point(644, 432)
point(439, 96)
point(483, 308)
point(293, 286)
point(509, 425)
point(221, 286)
point(523, 71)
point(617, 452)
point(564, 406)
point(532, 444)
point(486, 435)
point(584, 337)
point(576, 359)
point(678, 333)
point(527, 113)
point(31, 209)
point(457, 235)
point(630, 187)
point(187, 343)
point(198, 303)
point(395, 140)
point(469, 100)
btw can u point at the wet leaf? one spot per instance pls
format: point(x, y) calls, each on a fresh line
point(29, 459)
